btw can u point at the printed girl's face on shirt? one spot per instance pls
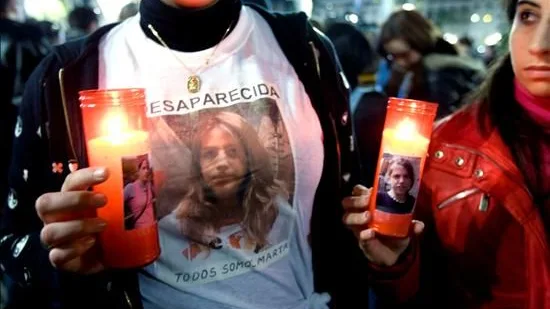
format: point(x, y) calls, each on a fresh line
point(223, 162)
point(530, 46)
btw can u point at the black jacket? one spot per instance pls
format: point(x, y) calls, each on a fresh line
point(22, 47)
point(51, 105)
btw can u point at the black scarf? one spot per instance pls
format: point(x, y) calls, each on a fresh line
point(189, 30)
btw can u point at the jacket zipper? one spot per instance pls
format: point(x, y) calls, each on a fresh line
point(484, 203)
point(128, 301)
point(66, 111)
point(459, 196)
point(316, 57)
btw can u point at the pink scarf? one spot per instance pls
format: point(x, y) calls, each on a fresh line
point(538, 108)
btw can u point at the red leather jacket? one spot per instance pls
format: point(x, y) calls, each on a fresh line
point(485, 245)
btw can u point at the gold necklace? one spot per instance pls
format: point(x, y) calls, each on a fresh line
point(193, 81)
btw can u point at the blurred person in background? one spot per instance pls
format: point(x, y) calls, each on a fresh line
point(423, 65)
point(465, 47)
point(128, 11)
point(367, 104)
point(490, 55)
point(353, 49)
point(52, 32)
point(82, 22)
point(485, 194)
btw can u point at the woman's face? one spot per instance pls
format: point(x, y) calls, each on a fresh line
point(530, 46)
point(144, 172)
point(400, 180)
point(223, 162)
point(401, 53)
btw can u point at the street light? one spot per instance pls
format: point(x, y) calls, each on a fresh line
point(352, 18)
point(451, 38)
point(493, 39)
point(475, 18)
point(409, 7)
point(487, 18)
point(481, 49)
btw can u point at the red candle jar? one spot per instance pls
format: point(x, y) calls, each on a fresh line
point(403, 150)
point(115, 127)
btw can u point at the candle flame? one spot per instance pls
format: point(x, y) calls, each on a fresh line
point(115, 126)
point(406, 129)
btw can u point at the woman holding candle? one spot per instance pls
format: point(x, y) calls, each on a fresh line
point(190, 56)
point(484, 194)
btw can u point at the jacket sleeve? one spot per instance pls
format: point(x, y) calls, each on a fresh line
point(22, 256)
point(340, 266)
point(350, 165)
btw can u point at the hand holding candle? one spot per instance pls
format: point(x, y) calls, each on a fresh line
point(70, 224)
point(115, 126)
point(379, 249)
point(403, 152)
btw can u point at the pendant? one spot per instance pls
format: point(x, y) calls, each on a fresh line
point(193, 84)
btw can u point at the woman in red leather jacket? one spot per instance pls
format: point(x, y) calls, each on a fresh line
point(484, 200)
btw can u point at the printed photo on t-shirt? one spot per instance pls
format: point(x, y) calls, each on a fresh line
point(225, 179)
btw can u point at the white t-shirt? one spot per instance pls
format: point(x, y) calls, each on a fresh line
point(239, 165)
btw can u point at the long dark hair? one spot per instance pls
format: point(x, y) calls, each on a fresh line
point(522, 136)
point(415, 29)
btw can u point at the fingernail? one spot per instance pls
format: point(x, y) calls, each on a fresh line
point(88, 241)
point(99, 174)
point(370, 233)
point(99, 225)
point(99, 200)
point(367, 215)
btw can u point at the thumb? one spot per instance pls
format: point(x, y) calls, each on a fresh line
point(360, 190)
point(418, 227)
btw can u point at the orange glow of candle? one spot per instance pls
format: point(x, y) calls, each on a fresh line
point(114, 127)
point(404, 139)
point(113, 132)
point(403, 150)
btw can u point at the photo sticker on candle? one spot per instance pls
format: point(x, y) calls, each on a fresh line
point(398, 184)
point(139, 192)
